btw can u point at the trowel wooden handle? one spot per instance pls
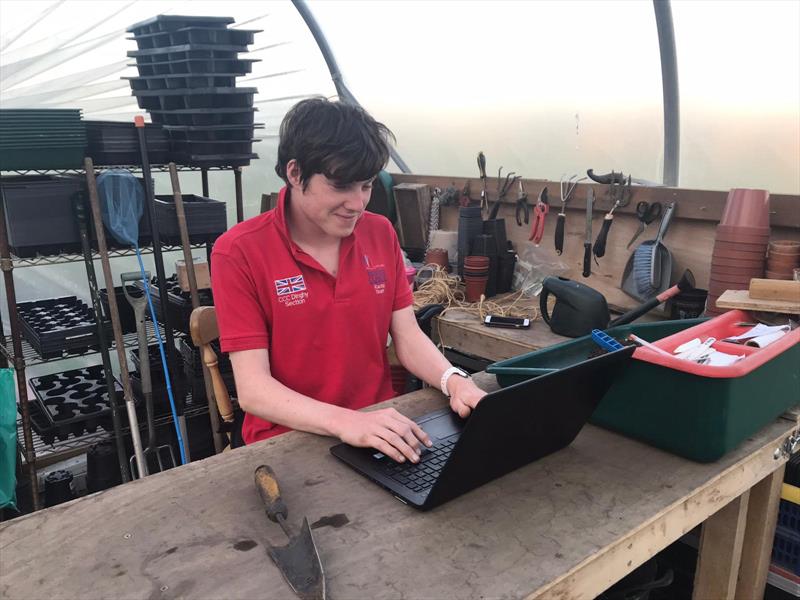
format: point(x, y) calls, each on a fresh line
point(267, 486)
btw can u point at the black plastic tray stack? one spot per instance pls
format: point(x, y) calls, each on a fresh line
point(179, 303)
point(187, 82)
point(41, 139)
point(71, 402)
point(193, 370)
point(112, 143)
point(56, 326)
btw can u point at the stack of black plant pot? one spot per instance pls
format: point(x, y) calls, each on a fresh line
point(187, 82)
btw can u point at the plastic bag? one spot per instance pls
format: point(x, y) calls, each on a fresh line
point(533, 265)
point(121, 204)
point(8, 439)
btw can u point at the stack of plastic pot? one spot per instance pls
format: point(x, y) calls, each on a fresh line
point(740, 246)
point(187, 82)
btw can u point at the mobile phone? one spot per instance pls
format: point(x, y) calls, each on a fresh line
point(509, 322)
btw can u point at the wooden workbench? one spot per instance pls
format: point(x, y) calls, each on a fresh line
point(566, 526)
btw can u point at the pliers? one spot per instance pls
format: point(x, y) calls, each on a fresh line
point(523, 211)
point(502, 191)
point(539, 213)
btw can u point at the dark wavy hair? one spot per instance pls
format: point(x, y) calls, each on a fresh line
point(341, 141)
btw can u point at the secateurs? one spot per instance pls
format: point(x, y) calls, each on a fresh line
point(619, 192)
point(522, 211)
point(539, 213)
point(502, 190)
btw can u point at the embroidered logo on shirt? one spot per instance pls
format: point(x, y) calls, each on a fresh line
point(290, 284)
point(291, 291)
point(377, 277)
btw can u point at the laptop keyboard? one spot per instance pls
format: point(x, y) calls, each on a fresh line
point(422, 475)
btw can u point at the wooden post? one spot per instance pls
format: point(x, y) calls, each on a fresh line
point(721, 551)
point(759, 535)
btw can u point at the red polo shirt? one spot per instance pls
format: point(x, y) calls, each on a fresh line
point(326, 335)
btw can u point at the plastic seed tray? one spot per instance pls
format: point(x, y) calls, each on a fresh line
point(214, 160)
point(185, 52)
point(183, 80)
point(211, 133)
point(42, 425)
point(193, 358)
point(173, 22)
point(75, 401)
point(58, 325)
point(196, 35)
point(204, 116)
point(204, 216)
point(237, 66)
point(193, 98)
point(214, 148)
point(179, 303)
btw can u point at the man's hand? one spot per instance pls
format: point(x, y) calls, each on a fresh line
point(464, 395)
point(386, 430)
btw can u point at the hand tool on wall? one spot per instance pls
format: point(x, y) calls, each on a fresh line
point(502, 191)
point(522, 211)
point(482, 171)
point(620, 195)
point(567, 189)
point(539, 213)
point(298, 561)
point(646, 212)
point(587, 242)
point(139, 306)
point(465, 200)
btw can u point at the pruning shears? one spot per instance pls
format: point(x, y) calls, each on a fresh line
point(539, 213)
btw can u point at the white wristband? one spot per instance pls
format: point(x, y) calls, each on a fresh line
point(446, 376)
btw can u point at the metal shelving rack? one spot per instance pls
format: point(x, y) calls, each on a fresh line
point(19, 354)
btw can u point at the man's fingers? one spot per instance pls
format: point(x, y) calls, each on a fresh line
point(398, 443)
point(412, 433)
point(386, 448)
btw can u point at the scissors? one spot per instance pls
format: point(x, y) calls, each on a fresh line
point(539, 213)
point(646, 213)
point(523, 211)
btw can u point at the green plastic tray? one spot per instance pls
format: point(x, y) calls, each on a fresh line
point(42, 158)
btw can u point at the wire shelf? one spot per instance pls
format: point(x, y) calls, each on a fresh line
point(60, 259)
point(31, 357)
point(154, 168)
point(47, 454)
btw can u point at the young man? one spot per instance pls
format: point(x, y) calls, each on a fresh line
point(306, 294)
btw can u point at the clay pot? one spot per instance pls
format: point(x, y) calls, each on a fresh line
point(745, 207)
point(743, 238)
point(785, 246)
point(742, 229)
point(437, 256)
point(738, 254)
point(752, 271)
point(475, 286)
point(781, 263)
point(740, 246)
point(733, 262)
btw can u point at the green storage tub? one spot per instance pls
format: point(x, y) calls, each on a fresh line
point(699, 418)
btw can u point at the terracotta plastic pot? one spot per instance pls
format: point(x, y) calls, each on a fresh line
point(743, 238)
point(785, 246)
point(733, 262)
point(738, 254)
point(742, 229)
point(437, 256)
point(746, 207)
point(474, 289)
point(779, 263)
point(741, 246)
point(738, 270)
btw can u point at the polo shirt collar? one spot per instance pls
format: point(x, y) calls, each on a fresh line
point(283, 229)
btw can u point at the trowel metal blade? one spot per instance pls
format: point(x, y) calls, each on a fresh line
point(300, 565)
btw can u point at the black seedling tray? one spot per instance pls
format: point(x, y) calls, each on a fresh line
point(41, 424)
point(126, 316)
point(196, 35)
point(75, 399)
point(212, 132)
point(154, 358)
point(194, 98)
point(235, 66)
point(182, 81)
point(193, 358)
point(173, 22)
point(204, 216)
point(39, 213)
point(204, 116)
point(202, 148)
point(58, 325)
point(213, 160)
point(160, 395)
point(179, 303)
point(185, 52)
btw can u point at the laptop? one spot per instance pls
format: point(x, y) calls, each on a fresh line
point(508, 429)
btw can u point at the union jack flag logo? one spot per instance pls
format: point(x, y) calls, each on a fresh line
point(290, 285)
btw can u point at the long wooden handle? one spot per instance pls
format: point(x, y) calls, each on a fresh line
point(267, 486)
point(775, 289)
point(224, 405)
